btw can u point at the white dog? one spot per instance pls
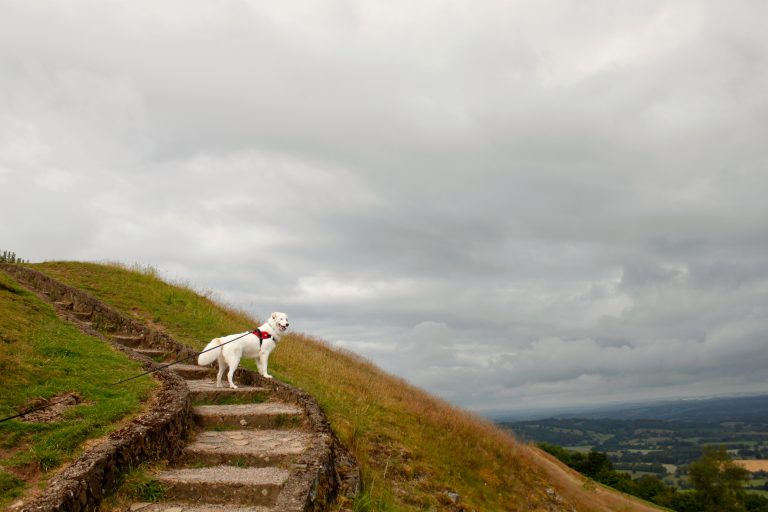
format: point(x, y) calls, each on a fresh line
point(257, 344)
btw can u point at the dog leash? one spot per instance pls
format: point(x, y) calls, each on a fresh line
point(261, 334)
point(255, 331)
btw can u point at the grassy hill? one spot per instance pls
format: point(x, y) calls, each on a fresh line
point(416, 452)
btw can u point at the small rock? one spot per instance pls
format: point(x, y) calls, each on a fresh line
point(553, 495)
point(243, 422)
point(453, 496)
point(139, 506)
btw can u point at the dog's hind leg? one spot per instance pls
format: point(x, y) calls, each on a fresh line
point(231, 374)
point(220, 374)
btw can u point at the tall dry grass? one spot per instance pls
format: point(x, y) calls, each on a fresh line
point(414, 448)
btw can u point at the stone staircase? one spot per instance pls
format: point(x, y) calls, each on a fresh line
point(263, 447)
point(240, 454)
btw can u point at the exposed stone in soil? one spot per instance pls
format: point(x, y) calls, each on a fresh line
point(50, 410)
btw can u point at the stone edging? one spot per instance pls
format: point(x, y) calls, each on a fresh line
point(324, 472)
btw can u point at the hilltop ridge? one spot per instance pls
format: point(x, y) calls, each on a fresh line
point(416, 452)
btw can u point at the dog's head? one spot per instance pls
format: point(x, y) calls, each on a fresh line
point(279, 321)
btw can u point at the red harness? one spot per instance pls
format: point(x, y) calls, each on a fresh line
point(262, 335)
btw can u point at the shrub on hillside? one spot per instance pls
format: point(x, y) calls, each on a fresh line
point(10, 257)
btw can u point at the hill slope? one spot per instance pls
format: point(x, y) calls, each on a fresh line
point(416, 452)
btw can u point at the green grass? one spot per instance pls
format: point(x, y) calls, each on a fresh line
point(138, 485)
point(411, 447)
point(140, 293)
point(40, 357)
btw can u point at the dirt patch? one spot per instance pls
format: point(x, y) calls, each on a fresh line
point(47, 411)
point(5, 340)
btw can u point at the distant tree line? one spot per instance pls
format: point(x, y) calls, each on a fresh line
point(645, 467)
point(718, 482)
point(10, 257)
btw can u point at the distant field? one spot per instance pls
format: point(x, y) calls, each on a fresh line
point(753, 465)
point(580, 449)
point(638, 441)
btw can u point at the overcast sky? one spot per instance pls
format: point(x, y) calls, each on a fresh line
point(510, 204)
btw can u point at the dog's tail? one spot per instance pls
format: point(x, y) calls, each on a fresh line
point(209, 355)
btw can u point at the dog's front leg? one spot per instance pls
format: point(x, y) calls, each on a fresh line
point(262, 365)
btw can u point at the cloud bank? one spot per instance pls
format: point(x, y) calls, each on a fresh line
point(510, 204)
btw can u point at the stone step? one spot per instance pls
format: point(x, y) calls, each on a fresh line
point(128, 340)
point(264, 415)
point(223, 484)
point(191, 371)
point(83, 315)
point(199, 507)
point(257, 448)
point(152, 352)
point(64, 304)
point(205, 390)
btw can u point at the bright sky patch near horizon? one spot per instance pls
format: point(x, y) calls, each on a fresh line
point(509, 204)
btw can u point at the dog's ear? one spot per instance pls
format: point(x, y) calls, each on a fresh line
point(274, 316)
